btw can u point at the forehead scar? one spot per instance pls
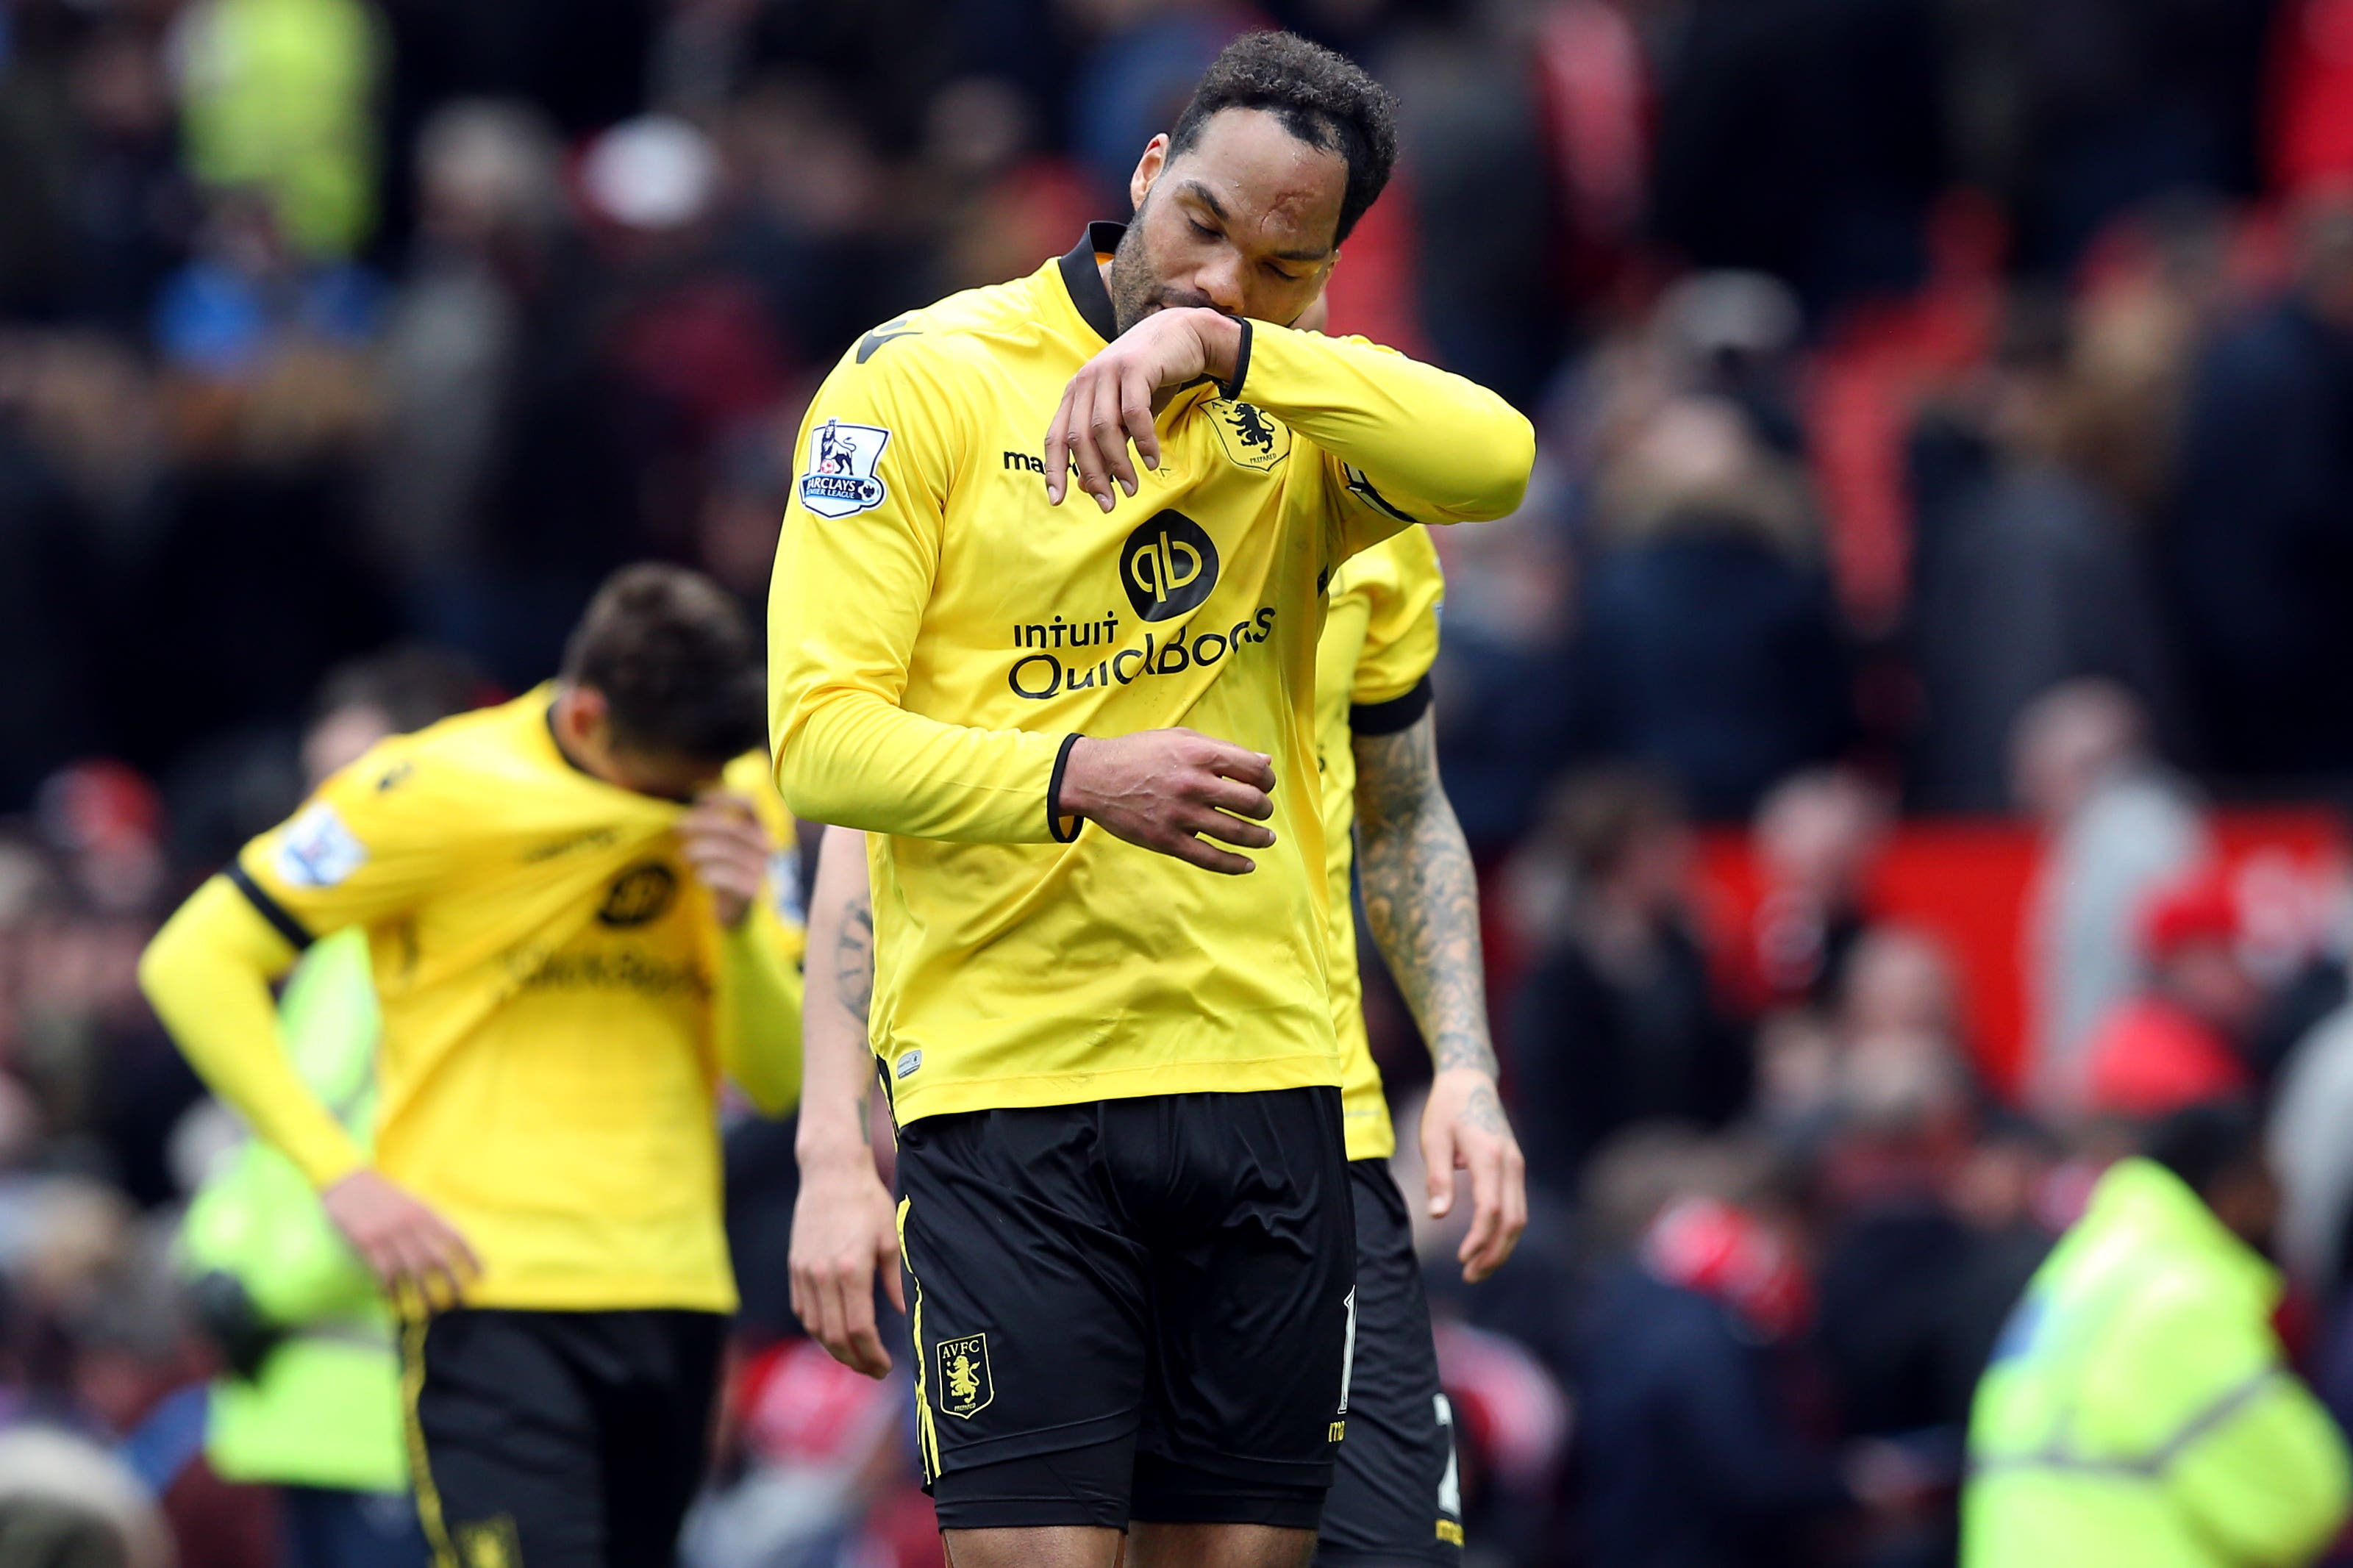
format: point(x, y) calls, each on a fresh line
point(1287, 202)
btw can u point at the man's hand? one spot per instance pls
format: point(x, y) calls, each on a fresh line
point(1110, 402)
point(1463, 1128)
point(1163, 787)
point(413, 1250)
point(729, 852)
point(844, 1228)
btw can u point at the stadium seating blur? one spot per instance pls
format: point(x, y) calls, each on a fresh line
point(1939, 550)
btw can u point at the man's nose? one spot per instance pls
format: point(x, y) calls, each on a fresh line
point(1220, 282)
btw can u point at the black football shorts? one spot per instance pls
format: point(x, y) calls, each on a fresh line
point(1396, 1494)
point(546, 1439)
point(1130, 1309)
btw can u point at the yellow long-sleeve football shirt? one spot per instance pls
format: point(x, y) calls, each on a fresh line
point(939, 633)
point(558, 1005)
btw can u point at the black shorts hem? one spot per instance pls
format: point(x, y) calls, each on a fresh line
point(1286, 1509)
point(1438, 1554)
point(1028, 1513)
point(1043, 1444)
point(1315, 1474)
point(1170, 1491)
point(1084, 1486)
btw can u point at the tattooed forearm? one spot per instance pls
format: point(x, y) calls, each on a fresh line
point(1421, 896)
point(853, 957)
point(836, 1058)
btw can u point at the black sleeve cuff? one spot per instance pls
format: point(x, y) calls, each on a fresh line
point(268, 908)
point(1229, 390)
point(1390, 718)
point(1055, 814)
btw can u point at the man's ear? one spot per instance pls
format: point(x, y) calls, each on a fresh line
point(1317, 317)
point(1148, 169)
point(584, 717)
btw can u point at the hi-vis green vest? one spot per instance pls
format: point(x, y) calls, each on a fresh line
point(2139, 1411)
point(326, 1410)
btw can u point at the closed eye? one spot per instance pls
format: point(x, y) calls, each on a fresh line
point(1204, 230)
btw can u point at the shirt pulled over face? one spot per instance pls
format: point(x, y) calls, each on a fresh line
point(545, 963)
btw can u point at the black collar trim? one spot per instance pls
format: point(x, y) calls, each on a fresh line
point(1085, 279)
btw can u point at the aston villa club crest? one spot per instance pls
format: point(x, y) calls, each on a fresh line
point(1247, 435)
point(965, 1386)
point(840, 479)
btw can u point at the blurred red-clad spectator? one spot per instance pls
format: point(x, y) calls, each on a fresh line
point(1817, 836)
point(2177, 1043)
point(808, 1450)
point(2117, 825)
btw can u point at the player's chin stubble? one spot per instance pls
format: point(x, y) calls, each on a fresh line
point(1135, 292)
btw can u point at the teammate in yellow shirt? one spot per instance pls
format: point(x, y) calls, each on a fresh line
point(574, 932)
point(1395, 1496)
point(1114, 1070)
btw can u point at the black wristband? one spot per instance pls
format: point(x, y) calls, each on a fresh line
point(1054, 812)
point(1232, 389)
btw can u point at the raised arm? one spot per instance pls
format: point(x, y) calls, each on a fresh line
point(844, 1225)
point(1435, 446)
point(1418, 443)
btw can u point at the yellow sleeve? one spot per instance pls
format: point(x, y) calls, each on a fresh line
point(855, 560)
point(1413, 443)
point(751, 776)
point(365, 848)
point(208, 975)
point(759, 1011)
point(1407, 591)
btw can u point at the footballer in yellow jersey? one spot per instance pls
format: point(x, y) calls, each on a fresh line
point(1394, 1497)
point(577, 928)
point(1109, 1040)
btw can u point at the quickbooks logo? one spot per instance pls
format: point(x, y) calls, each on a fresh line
point(1168, 566)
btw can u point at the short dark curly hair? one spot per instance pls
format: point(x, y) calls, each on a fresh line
point(1322, 98)
point(675, 658)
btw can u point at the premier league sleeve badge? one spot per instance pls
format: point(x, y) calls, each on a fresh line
point(840, 478)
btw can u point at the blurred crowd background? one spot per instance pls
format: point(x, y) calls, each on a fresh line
point(1947, 461)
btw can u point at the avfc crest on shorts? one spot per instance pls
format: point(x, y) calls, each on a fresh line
point(1249, 437)
point(840, 479)
point(964, 1385)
